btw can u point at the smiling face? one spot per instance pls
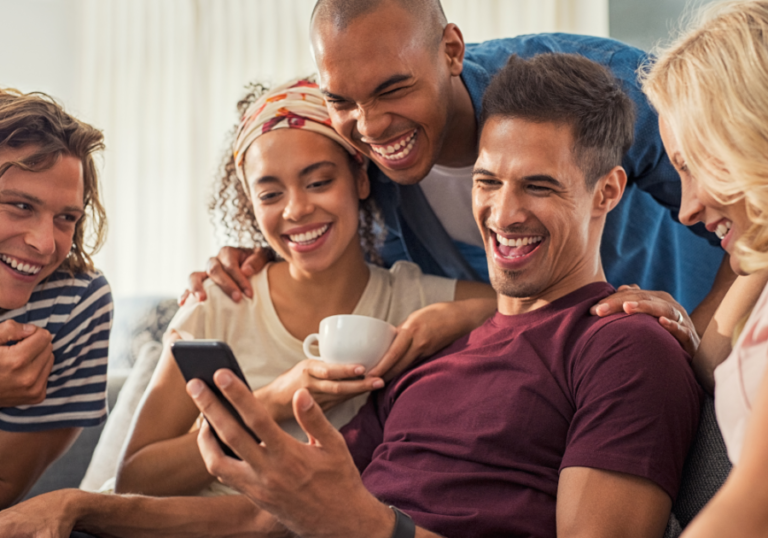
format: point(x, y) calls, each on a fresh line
point(389, 90)
point(305, 197)
point(728, 221)
point(38, 213)
point(540, 224)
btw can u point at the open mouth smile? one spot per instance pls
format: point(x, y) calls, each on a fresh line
point(512, 248)
point(309, 239)
point(723, 228)
point(22, 268)
point(397, 150)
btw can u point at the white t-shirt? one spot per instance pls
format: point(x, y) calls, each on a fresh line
point(449, 193)
point(265, 349)
point(738, 378)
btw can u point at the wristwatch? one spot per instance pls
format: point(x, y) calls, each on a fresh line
point(404, 525)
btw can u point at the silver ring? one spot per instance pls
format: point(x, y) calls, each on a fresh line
point(679, 316)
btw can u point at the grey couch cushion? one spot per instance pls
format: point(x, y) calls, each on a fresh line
point(706, 468)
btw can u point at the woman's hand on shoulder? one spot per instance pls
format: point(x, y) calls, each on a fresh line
point(329, 385)
point(659, 304)
point(231, 270)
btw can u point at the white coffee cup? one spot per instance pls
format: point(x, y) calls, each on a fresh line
point(350, 339)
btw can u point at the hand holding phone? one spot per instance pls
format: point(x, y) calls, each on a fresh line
point(199, 359)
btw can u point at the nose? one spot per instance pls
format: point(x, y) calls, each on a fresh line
point(41, 237)
point(298, 206)
point(507, 209)
point(691, 208)
point(372, 122)
point(500, 208)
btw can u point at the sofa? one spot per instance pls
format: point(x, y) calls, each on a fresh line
point(135, 347)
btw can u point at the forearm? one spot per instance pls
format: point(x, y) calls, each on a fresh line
point(715, 344)
point(131, 516)
point(703, 313)
point(24, 457)
point(13, 492)
point(169, 467)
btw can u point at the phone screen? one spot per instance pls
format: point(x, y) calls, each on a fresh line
point(199, 359)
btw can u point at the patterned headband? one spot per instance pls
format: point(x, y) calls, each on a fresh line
point(295, 105)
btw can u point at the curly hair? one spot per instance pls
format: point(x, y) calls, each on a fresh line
point(36, 119)
point(232, 212)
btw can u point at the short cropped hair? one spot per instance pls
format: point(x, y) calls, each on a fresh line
point(709, 85)
point(35, 119)
point(341, 13)
point(567, 89)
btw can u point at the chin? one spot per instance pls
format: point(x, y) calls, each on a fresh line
point(12, 301)
point(736, 266)
point(512, 284)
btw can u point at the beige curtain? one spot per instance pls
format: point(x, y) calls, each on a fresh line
point(162, 77)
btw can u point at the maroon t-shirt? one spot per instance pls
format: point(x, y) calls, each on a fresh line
point(471, 441)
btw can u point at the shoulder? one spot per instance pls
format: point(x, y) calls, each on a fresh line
point(71, 298)
point(217, 301)
point(408, 274)
point(82, 284)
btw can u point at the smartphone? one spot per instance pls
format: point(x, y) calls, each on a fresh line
point(199, 359)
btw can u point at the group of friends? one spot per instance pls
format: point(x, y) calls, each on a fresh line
point(408, 174)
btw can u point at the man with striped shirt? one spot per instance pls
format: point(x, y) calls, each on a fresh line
point(55, 308)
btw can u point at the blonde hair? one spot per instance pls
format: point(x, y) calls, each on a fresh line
point(710, 86)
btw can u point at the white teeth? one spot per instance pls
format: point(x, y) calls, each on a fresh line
point(520, 242)
point(391, 152)
point(25, 268)
point(722, 229)
point(308, 237)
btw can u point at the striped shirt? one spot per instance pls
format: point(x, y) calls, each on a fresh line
point(77, 311)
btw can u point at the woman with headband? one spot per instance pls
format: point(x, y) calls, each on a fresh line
point(293, 183)
point(711, 91)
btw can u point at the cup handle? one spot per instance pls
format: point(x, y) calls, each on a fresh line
point(308, 341)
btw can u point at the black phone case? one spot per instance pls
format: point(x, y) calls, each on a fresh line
point(199, 359)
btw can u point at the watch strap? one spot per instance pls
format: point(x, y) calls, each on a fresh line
point(404, 525)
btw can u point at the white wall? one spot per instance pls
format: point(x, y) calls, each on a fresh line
point(39, 40)
point(161, 78)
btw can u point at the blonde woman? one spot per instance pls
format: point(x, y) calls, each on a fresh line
point(710, 88)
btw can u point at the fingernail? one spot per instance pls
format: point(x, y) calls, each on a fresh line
point(199, 296)
point(378, 384)
point(359, 370)
point(224, 379)
point(194, 388)
point(236, 296)
point(601, 309)
point(28, 328)
point(249, 294)
point(306, 402)
point(631, 304)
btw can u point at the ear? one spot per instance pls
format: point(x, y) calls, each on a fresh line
point(608, 191)
point(362, 182)
point(453, 47)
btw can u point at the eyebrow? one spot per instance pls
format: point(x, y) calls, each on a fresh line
point(391, 81)
point(304, 172)
point(38, 201)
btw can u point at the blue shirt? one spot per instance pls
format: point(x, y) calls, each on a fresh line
point(643, 242)
point(77, 311)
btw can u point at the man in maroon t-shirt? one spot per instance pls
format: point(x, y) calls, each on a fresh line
point(545, 421)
